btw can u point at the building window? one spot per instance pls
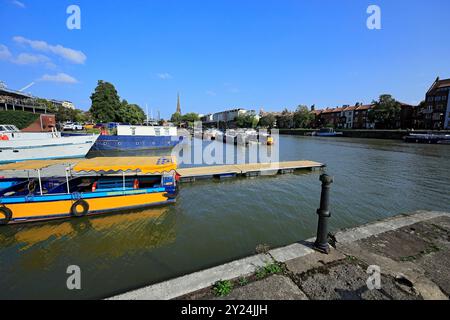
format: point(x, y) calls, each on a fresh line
point(444, 98)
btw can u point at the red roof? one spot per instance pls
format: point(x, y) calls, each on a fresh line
point(365, 107)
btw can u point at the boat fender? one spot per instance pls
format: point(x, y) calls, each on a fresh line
point(32, 186)
point(7, 216)
point(136, 184)
point(79, 209)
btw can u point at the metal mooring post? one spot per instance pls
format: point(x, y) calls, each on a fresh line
point(321, 243)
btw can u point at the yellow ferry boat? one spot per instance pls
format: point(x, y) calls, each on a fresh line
point(100, 185)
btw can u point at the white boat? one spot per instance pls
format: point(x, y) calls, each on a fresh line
point(20, 146)
point(211, 134)
point(327, 132)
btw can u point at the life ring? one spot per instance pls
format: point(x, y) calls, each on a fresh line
point(136, 184)
point(79, 209)
point(7, 214)
point(32, 186)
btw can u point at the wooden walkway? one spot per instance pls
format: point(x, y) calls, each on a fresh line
point(245, 170)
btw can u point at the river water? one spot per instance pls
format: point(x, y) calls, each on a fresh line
point(218, 221)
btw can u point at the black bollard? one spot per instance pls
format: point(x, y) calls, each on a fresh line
point(321, 243)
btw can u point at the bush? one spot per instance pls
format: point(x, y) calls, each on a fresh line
point(20, 119)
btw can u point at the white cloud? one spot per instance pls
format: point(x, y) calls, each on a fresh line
point(60, 77)
point(72, 55)
point(26, 58)
point(19, 4)
point(5, 54)
point(164, 76)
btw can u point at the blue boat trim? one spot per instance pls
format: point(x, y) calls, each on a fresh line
point(89, 195)
point(105, 143)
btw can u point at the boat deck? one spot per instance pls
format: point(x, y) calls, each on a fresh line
point(245, 170)
point(57, 168)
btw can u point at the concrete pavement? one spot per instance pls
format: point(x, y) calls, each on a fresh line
point(412, 253)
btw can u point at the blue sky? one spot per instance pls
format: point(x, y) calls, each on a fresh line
point(221, 54)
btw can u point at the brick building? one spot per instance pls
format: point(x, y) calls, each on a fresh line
point(434, 114)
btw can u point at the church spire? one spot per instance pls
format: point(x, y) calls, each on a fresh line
point(178, 104)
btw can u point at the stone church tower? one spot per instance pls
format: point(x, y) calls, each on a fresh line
point(178, 105)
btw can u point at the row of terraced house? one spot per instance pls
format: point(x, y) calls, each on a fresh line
point(433, 114)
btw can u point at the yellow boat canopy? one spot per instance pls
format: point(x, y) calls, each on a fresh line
point(37, 164)
point(145, 165)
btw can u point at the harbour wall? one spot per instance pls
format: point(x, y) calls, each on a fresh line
point(369, 134)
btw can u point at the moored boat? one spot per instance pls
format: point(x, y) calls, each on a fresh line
point(21, 146)
point(100, 185)
point(327, 132)
point(139, 138)
point(429, 138)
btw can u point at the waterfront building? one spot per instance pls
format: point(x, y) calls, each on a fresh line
point(435, 112)
point(331, 117)
point(12, 100)
point(64, 104)
point(317, 122)
point(361, 117)
point(226, 119)
point(407, 119)
point(347, 116)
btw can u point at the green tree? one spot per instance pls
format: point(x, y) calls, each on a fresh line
point(176, 118)
point(246, 121)
point(105, 102)
point(285, 120)
point(302, 117)
point(386, 112)
point(130, 113)
point(190, 117)
point(268, 121)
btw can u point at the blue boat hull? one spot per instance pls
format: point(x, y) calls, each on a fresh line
point(120, 143)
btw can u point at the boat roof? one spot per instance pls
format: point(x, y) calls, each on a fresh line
point(36, 164)
point(110, 165)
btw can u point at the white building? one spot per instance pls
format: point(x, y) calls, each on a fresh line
point(231, 115)
point(68, 104)
point(348, 114)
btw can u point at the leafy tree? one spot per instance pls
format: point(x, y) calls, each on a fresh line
point(246, 121)
point(285, 120)
point(386, 112)
point(64, 114)
point(105, 102)
point(190, 117)
point(130, 113)
point(176, 118)
point(268, 121)
point(302, 117)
